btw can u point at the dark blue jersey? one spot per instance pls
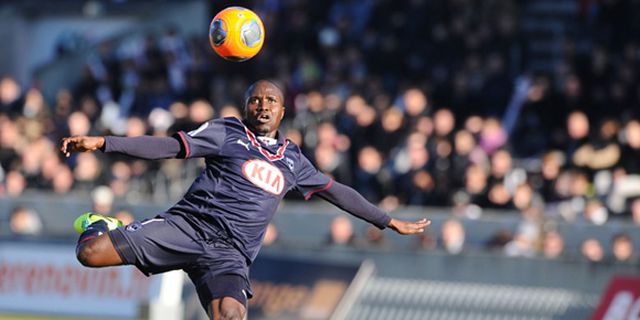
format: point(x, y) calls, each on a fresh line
point(243, 181)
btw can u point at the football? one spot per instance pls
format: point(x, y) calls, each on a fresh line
point(236, 34)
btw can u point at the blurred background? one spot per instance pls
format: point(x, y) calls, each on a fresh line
point(513, 125)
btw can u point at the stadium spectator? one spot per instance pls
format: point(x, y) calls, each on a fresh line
point(499, 197)
point(199, 112)
point(577, 132)
point(369, 177)
point(125, 216)
point(87, 172)
point(393, 129)
point(631, 148)
point(341, 232)
point(498, 240)
point(464, 145)
point(552, 163)
point(573, 187)
point(25, 221)
point(635, 211)
point(11, 98)
point(526, 198)
point(121, 173)
point(553, 246)
point(600, 153)
point(102, 198)
point(627, 176)
point(524, 241)
point(592, 250)
point(622, 248)
point(374, 238)
point(426, 241)
point(595, 212)
point(492, 136)
point(412, 170)
point(229, 111)
point(14, 183)
point(422, 192)
point(63, 180)
point(78, 124)
point(440, 165)
point(332, 162)
point(452, 235)
point(476, 185)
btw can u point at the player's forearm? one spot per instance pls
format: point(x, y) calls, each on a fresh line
point(351, 201)
point(144, 147)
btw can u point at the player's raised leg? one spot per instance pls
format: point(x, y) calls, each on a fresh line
point(227, 308)
point(94, 248)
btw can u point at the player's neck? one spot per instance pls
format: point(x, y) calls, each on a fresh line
point(268, 141)
point(271, 135)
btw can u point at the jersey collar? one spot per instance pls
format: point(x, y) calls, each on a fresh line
point(282, 143)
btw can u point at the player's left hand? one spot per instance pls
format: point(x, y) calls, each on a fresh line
point(80, 144)
point(407, 227)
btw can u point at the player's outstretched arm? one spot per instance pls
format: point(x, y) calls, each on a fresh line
point(80, 144)
point(408, 227)
point(348, 199)
point(143, 147)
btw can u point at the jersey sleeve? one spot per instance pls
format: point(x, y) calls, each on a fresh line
point(205, 141)
point(310, 180)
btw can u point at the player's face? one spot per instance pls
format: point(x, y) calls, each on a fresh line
point(264, 108)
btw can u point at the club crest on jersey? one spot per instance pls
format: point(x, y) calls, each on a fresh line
point(289, 163)
point(264, 175)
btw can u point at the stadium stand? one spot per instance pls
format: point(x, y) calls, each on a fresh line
point(386, 298)
point(519, 120)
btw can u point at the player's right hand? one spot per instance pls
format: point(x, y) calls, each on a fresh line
point(80, 144)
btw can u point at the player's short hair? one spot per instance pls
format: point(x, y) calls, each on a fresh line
point(275, 83)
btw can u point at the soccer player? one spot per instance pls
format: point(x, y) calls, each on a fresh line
point(215, 231)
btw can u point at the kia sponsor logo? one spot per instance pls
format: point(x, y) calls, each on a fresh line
point(264, 175)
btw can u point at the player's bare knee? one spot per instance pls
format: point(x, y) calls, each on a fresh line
point(89, 254)
point(236, 313)
point(85, 255)
point(231, 309)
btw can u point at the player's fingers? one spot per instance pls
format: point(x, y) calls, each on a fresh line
point(418, 226)
point(63, 147)
point(414, 228)
point(422, 223)
point(69, 145)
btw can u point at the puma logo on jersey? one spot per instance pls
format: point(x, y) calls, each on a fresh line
point(203, 126)
point(264, 175)
point(244, 144)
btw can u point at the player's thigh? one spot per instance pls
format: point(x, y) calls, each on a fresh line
point(158, 245)
point(220, 273)
point(98, 252)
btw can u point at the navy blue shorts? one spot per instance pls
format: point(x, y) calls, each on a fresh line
point(214, 265)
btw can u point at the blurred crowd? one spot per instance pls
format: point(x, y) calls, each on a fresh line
point(449, 117)
point(450, 238)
